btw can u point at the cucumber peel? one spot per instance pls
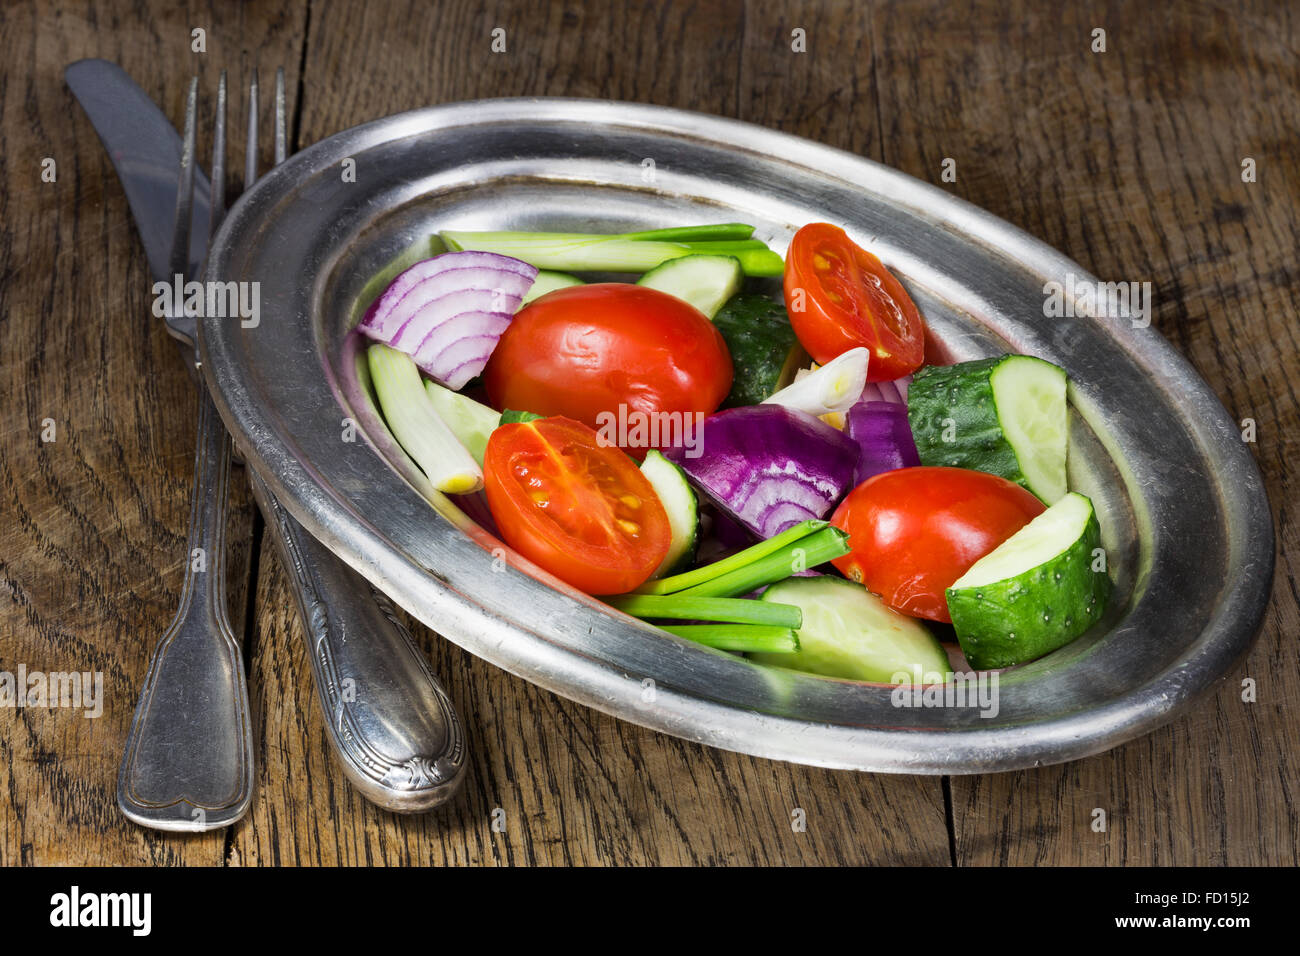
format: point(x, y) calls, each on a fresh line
point(1037, 591)
point(1006, 416)
point(765, 353)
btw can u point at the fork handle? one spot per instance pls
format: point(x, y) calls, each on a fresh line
point(391, 725)
point(189, 757)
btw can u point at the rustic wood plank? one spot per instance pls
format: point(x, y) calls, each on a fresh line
point(575, 786)
point(1130, 162)
point(809, 71)
point(93, 537)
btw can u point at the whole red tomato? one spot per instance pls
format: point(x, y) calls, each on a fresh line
point(915, 531)
point(584, 351)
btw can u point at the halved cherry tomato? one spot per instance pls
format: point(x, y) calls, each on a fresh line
point(840, 297)
point(585, 350)
point(578, 508)
point(915, 531)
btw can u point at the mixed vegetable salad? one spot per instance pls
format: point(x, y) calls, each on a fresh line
point(782, 477)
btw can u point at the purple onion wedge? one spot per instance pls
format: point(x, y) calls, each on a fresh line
point(448, 312)
point(770, 467)
point(883, 436)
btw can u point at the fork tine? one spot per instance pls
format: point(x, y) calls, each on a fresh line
point(250, 148)
point(180, 251)
point(280, 135)
point(218, 202)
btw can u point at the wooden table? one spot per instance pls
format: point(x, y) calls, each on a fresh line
point(1128, 160)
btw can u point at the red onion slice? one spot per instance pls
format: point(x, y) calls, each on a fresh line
point(448, 312)
point(770, 467)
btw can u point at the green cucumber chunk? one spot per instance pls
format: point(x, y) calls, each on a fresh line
point(470, 421)
point(678, 498)
point(548, 281)
point(1037, 591)
point(1005, 415)
point(848, 632)
point(706, 282)
point(765, 353)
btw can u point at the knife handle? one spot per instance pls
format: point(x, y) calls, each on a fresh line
point(189, 757)
point(392, 726)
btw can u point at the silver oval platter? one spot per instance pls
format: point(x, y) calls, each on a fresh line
point(1185, 518)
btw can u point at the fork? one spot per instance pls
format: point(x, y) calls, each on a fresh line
point(392, 727)
point(188, 763)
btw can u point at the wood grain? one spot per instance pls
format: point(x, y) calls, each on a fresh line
point(1129, 161)
point(93, 536)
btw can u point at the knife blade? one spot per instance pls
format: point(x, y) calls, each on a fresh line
point(146, 152)
point(391, 725)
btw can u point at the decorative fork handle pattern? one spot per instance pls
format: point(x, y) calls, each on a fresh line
point(391, 724)
point(189, 757)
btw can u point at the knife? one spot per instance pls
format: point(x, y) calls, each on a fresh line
point(391, 725)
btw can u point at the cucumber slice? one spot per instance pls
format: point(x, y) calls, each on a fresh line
point(1004, 415)
point(849, 632)
point(1035, 592)
point(765, 353)
point(678, 499)
point(706, 282)
point(548, 281)
point(470, 421)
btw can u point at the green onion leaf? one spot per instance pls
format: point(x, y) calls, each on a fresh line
point(806, 553)
point(630, 252)
point(741, 559)
point(751, 638)
point(717, 232)
point(511, 417)
point(732, 610)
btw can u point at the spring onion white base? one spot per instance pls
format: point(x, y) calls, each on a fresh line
point(833, 388)
point(414, 421)
point(470, 421)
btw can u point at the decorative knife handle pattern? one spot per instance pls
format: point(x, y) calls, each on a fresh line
point(392, 726)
